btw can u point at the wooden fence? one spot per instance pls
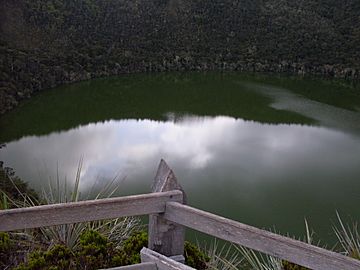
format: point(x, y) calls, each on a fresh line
point(169, 215)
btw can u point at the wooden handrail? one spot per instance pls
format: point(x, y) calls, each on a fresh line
point(267, 242)
point(66, 213)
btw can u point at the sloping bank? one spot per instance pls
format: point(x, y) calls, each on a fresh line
point(44, 44)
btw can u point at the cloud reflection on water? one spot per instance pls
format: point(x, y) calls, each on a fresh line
point(240, 149)
point(272, 173)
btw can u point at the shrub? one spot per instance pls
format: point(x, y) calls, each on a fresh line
point(194, 257)
point(4, 242)
point(95, 251)
point(58, 257)
point(5, 249)
point(130, 251)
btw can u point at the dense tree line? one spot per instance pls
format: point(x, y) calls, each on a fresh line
point(45, 43)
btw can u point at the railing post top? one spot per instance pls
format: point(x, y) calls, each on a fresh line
point(165, 180)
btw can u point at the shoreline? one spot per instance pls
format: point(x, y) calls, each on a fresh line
point(14, 91)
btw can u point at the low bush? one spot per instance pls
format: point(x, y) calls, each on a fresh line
point(96, 251)
point(194, 257)
point(130, 250)
point(5, 246)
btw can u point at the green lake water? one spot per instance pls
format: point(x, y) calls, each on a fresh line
point(266, 151)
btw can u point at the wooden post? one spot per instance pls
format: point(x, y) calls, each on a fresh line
point(166, 237)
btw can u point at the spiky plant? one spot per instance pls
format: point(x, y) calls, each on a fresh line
point(348, 237)
point(58, 191)
point(258, 261)
point(222, 256)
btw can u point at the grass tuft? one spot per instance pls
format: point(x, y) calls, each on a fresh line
point(221, 256)
point(348, 237)
point(58, 191)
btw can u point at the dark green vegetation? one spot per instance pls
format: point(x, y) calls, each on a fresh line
point(5, 246)
point(194, 257)
point(95, 251)
point(48, 43)
point(12, 188)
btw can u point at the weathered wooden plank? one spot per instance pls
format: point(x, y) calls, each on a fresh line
point(139, 266)
point(178, 258)
point(162, 262)
point(56, 214)
point(276, 245)
point(165, 237)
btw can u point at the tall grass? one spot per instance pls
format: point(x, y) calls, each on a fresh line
point(222, 256)
point(58, 191)
point(348, 237)
point(258, 261)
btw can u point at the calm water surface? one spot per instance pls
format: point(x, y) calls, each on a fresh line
point(265, 151)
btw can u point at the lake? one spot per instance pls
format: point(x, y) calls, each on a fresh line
point(267, 151)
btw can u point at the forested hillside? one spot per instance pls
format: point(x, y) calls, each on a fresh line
point(48, 43)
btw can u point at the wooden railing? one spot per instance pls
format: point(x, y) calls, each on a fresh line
point(168, 218)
